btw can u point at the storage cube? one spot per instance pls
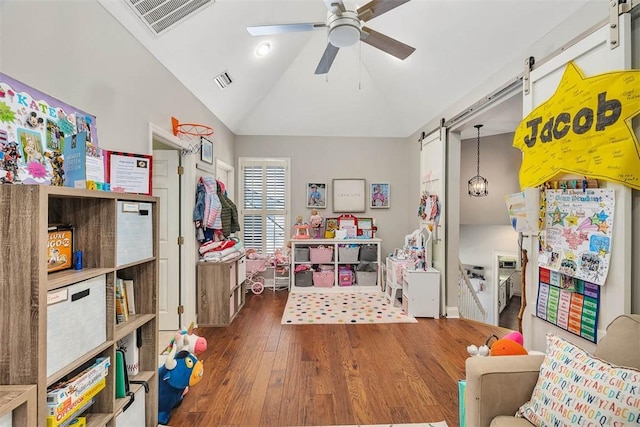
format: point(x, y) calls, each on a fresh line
point(368, 252)
point(134, 415)
point(301, 254)
point(321, 254)
point(134, 232)
point(348, 253)
point(323, 279)
point(367, 278)
point(68, 338)
point(345, 276)
point(304, 278)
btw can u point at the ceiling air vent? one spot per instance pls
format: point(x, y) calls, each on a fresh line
point(223, 80)
point(162, 15)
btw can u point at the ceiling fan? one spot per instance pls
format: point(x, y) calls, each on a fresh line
point(345, 28)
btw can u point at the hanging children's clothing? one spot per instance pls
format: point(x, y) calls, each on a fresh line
point(207, 211)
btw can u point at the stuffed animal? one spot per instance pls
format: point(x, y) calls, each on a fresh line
point(179, 371)
point(186, 339)
point(509, 345)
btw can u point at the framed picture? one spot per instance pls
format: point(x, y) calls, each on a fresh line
point(349, 195)
point(380, 193)
point(317, 195)
point(206, 151)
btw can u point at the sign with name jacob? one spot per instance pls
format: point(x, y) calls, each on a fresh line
point(584, 128)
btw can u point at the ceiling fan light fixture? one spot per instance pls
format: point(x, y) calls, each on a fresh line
point(344, 30)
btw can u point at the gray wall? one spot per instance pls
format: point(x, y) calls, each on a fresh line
point(77, 52)
point(499, 164)
point(316, 159)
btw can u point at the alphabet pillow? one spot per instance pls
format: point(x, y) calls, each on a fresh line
point(575, 388)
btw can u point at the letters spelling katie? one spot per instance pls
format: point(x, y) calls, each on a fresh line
point(557, 128)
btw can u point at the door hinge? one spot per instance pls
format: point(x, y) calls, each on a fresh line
point(181, 240)
point(180, 170)
point(181, 309)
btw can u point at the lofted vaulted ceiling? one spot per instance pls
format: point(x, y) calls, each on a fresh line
point(459, 45)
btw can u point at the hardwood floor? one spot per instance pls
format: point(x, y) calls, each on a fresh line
point(261, 373)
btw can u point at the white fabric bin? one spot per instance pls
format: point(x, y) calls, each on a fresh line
point(76, 321)
point(134, 232)
point(134, 415)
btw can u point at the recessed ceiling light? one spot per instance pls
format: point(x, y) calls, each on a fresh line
point(263, 49)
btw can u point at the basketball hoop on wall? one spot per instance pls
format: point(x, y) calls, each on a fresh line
point(190, 132)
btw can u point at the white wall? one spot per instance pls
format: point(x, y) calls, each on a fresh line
point(77, 52)
point(478, 241)
point(321, 159)
point(499, 164)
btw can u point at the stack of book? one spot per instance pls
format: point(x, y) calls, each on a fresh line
point(125, 300)
point(68, 398)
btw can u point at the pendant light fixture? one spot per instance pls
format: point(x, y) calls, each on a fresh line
point(478, 186)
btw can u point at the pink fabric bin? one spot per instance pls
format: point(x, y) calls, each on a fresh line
point(323, 279)
point(321, 255)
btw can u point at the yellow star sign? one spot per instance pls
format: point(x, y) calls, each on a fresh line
point(584, 128)
point(572, 219)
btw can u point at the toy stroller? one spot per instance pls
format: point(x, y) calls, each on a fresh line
point(254, 281)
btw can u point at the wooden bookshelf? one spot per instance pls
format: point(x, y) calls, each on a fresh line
point(25, 213)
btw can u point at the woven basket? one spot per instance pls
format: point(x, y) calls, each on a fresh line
point(367, 278)
point(323, 279)
point(321, 254)
point(348, 254)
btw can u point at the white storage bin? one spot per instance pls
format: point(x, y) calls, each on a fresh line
point(134, 414)
point(76, 321)
point(6, 420)
point(134, 232)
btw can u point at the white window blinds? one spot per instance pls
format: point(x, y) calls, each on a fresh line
point(265, 201)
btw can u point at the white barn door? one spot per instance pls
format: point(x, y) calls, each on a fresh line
point(593, 55)
point(433, 172)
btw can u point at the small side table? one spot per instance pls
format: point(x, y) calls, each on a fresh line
point(421, 293)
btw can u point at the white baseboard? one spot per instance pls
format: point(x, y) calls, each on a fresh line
point(453, 313)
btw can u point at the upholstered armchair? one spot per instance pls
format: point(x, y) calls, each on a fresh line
point(497, 386)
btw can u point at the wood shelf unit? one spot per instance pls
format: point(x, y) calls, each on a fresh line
point(220, 291)
point(20, 402)
point(25, 212)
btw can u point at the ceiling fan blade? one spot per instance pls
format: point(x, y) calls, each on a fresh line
point(327, 59)
point(266, 30)
point(377, 7)
point(335, 6)
point(386, 43)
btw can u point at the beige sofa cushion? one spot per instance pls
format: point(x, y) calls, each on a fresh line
point(505, 421)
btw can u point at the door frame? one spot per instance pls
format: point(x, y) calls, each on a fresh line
point(186, 199)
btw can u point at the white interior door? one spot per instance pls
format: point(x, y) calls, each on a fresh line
point(166, 186)
point(593, 55)
point(433, 169)
point(225, 173)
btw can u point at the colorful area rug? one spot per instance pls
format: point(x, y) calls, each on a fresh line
point(306, 308)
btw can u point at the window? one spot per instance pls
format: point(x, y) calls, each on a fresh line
point(265, 203)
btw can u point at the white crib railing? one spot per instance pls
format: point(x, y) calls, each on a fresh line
point(469, 305)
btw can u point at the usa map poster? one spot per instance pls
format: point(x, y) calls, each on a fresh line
point(576, 241)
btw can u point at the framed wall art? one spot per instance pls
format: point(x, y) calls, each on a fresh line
point(317, 195)
point(206, 151)
point(349, 195)
point(379, 198)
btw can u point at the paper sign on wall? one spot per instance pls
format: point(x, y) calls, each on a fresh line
point(577, 239)
point(584, 128)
